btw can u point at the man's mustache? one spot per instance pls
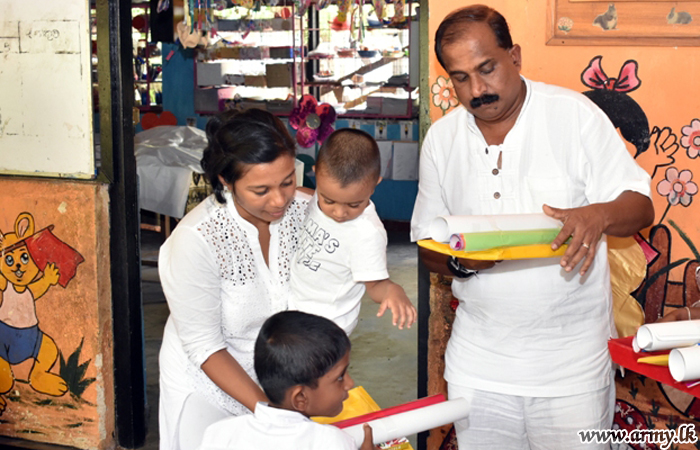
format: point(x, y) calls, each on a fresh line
point(483, 100)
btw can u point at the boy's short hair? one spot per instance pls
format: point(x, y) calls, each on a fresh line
point(295, 348)
point(349, 156)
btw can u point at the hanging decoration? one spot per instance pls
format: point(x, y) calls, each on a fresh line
point(357, 28)
point(301, 6)
point(313, 122)
point(198, 22)
point(399, 14)
point(341, 20)
point(244, 3)
point(322, 4)
point(379, 9)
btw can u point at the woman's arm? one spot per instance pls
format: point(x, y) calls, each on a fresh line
point(190, 277)
point(225, 372)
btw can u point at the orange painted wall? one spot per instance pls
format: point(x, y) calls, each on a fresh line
point(668, 94)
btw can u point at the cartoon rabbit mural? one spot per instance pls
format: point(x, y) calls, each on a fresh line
point(30, 264)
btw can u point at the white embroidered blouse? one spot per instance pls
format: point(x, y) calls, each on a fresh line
point(220, 291)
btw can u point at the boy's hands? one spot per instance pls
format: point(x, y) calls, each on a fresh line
point(367, 443)
point(391, 296)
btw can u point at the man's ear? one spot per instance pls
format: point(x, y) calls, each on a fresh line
point(298, 398)
point(313, 168)
point(379, 180)
point(516, 55)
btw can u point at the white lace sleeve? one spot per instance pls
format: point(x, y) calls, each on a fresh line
point(191, 283)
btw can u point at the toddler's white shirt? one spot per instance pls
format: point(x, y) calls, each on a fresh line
point(332, 262)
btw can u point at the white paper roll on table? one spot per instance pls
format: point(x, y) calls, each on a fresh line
point(684, 363)
point(443, 227)
point(664, 336)
point(410, 422)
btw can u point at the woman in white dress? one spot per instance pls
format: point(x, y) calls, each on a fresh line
point(224, 270)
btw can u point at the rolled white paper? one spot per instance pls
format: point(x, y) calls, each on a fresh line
point(410, 422)
point(668, 335)
point(684, 363)
point(443, 227)
point(635, 346)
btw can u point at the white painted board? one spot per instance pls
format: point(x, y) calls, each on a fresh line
point(405, 161)
point(45, 89)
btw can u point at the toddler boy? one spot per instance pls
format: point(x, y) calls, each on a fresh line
point(342, 243)
point(301, 361)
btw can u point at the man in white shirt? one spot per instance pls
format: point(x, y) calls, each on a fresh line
point(529, 341)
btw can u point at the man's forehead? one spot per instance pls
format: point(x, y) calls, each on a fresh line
point(462, 31)
point(463, 57)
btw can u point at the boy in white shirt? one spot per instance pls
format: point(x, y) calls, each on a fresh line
point(342, 243)
point(301, 361)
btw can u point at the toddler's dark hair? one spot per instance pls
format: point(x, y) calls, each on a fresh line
point(295, 348)
point(237, 138)
point(349, 156)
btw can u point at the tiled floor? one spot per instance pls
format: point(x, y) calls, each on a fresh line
point(383, 358)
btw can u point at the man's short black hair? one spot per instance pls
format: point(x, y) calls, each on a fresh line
point(452, 27)
point(349, 156)
point(295, 348)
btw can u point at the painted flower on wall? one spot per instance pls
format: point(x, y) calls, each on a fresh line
point(444, 94)
point(565, 24)
point(691, 138)
point(677, 187)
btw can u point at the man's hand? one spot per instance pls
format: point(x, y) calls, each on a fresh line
point(687, 313)
point(624, 216)
point(585, 226)
point(391, 296)
point(437, 262)
point(476, 264)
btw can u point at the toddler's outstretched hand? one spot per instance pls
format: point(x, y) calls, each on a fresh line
point(391, 296)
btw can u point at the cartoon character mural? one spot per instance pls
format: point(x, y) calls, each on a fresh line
point(654, 404)
point(31, 263)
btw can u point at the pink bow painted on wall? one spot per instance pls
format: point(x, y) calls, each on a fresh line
point(595, 78)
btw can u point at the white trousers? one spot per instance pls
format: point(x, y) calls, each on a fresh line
point(508, 422)
point(196, 415)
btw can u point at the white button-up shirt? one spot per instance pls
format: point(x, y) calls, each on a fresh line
point(528, 327)
point(274, 429)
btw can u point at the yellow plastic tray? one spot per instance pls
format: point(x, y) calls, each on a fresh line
point(496, 254)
